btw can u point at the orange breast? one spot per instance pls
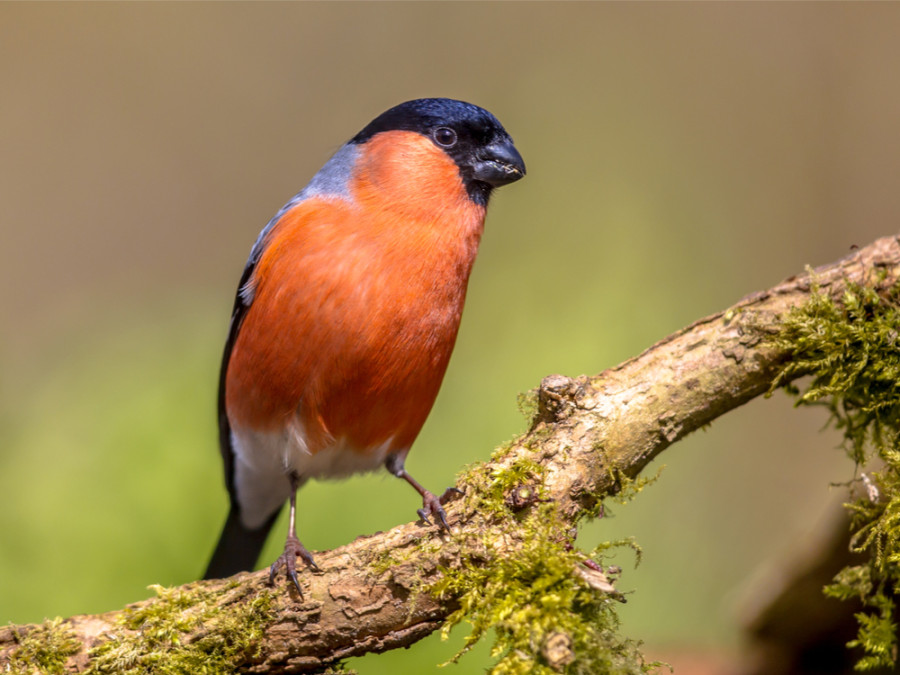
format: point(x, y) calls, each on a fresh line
point(357, 304)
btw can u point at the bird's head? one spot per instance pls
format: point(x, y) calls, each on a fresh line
point(471, 136)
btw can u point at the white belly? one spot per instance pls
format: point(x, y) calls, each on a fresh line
point(263, 461)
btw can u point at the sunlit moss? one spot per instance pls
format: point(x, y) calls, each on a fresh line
point(153, 635)
point(851, 348)
point(44, 649)
point(527, 402)
point(624, 488)
point(546, 613)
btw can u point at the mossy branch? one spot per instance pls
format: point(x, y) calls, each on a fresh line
point(590, 436)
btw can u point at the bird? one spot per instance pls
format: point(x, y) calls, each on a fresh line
point(346, 315)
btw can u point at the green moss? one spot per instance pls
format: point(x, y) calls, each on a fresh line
point(153, 639)
point(548, 611)
point(626, 488)
point(385, 560)
point(852, 350)
point(527, 402)
point(44, 649)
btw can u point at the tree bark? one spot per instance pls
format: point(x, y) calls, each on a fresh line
point(587, 433)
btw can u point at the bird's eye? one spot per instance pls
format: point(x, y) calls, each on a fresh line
point(445, 137)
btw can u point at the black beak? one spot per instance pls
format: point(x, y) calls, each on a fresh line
point(499, 164)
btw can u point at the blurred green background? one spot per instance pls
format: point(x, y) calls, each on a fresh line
point(679, 157)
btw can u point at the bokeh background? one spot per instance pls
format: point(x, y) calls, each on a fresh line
point(679, 157)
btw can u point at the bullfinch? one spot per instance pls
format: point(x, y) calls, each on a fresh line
point(346, 315)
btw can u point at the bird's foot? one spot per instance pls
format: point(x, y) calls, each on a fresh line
point(288, 560)
point(433, 505)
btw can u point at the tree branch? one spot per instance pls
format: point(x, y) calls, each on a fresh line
point(587, 433)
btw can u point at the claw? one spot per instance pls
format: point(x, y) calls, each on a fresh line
point(450, 493)
point(432, 506)
point(288, 560)
point(443, 518)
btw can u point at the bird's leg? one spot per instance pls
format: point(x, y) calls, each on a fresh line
point(431, 504)
point(292, 545)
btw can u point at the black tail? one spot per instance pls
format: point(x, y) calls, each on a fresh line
point(238, 548)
